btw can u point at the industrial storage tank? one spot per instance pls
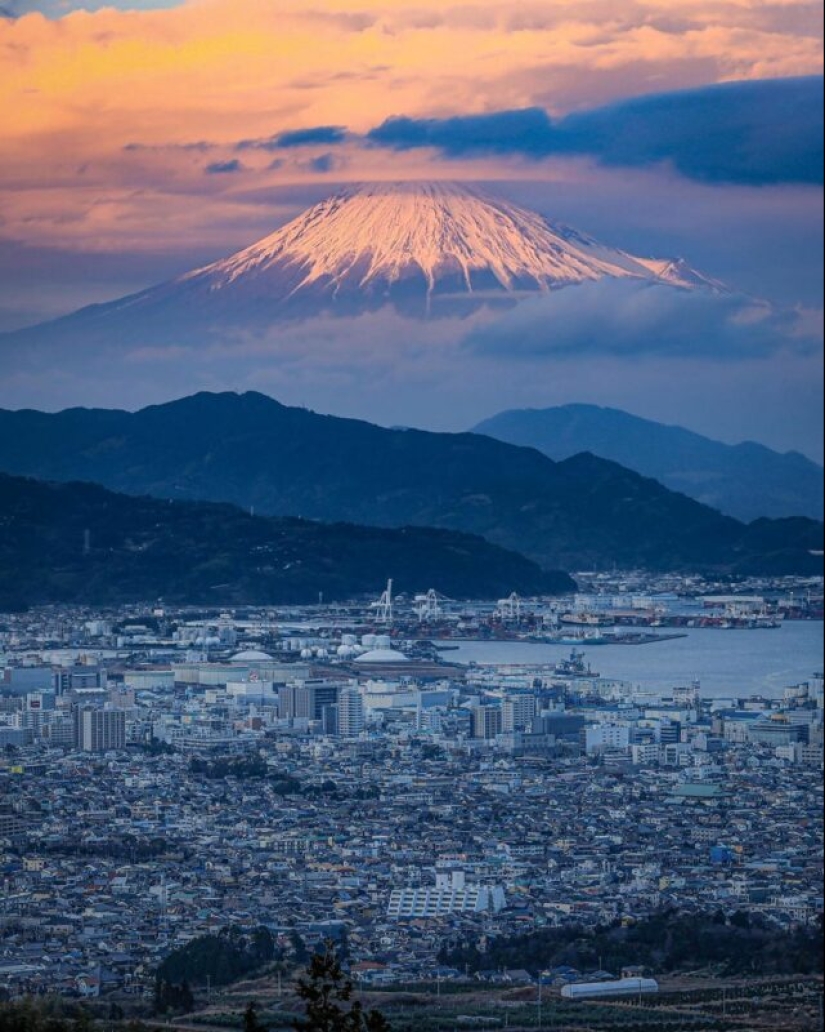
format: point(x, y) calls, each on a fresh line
point(619, 987)
point(389, 657)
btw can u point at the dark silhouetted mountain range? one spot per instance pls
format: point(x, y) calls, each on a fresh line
point(745, 480)
point(251, 451)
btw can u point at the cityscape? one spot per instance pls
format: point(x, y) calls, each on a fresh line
point(332, 774)
point(412, 516)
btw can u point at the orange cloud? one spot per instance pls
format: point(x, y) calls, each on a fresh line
point(75, 91)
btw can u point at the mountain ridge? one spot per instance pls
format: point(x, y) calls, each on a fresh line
point(78, 542)
point(747, 480)
point(250, 450)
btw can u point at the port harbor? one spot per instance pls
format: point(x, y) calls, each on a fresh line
point(588, 638)
point(605, 613)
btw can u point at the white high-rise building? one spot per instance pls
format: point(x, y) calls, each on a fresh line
point(100, 730)
point(517, 712)
point(351, 720)
point(610, 736)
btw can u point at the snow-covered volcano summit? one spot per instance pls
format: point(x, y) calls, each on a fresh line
point(429, 239)
point(388, 277)
point(424, 249)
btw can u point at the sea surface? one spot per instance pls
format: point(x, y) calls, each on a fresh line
point(725, 662)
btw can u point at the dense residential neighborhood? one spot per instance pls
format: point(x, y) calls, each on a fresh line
point(165, 776)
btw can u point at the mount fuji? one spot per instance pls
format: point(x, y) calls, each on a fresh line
point(424, 240)
point(425, 249)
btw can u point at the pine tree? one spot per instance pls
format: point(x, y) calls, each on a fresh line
point(250, 1019)
point(374, 1021)
point(187, 999)
point(299, 947)
point(161, 1004)
point(327, 995)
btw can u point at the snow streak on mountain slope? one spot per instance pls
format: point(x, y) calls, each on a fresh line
point(448, 238)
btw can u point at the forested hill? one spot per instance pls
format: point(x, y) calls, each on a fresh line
point(81, 543)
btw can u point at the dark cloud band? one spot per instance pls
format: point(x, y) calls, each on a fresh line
point(224, 167)
point(327, 135)
point(527, 131)
point(763, 132)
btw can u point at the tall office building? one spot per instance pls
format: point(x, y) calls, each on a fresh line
point(486, 721)
point(517, 712)
point(66, 679)
point(329, 720)
point(561, 725)
point(99, 730)
point(671, 731)
point(351, 720)
point(307, 700)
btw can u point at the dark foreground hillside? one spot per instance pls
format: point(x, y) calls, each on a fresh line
point(81, 543)
point(737, 944)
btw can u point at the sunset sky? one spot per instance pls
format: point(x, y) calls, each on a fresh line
point(141, 139)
